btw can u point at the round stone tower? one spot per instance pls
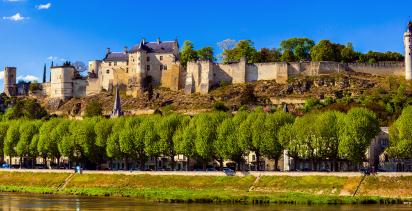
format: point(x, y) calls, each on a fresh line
point(10, 86)
point(408, 52)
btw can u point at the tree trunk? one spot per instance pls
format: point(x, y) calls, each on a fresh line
point(126, 160)
point(276, 164)
point(21, 160)
point(295, 163)
point(172, 158)
point(58, 162)
point(187, 163)
point(221, 164)
point(45, 161)
point(258, 161)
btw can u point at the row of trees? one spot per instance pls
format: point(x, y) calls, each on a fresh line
point(215, 136)
point(291, 50)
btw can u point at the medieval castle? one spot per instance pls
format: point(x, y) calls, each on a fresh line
point(157, 64)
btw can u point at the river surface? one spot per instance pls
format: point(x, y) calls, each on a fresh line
point(11, 201)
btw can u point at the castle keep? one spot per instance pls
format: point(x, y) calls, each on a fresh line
point(150, 64)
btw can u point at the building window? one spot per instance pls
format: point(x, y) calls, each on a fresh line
point(161, 58)
point(127, 70)
point(115, 63)
point(148, 58)
point(164, 67)
point(107, 71)
point(148, 68)
point(161, 67)
point(110, 64)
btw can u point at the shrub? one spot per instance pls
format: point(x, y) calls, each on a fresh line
point(94, 108)
point(219, 106)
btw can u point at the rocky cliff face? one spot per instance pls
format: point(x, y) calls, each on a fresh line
point(233, 96)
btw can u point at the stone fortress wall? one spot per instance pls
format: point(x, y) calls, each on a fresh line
point(202, 75)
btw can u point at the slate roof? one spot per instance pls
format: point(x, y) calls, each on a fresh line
point(117, 57)
point(155, 47)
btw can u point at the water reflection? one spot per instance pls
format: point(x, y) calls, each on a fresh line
point(49, 202)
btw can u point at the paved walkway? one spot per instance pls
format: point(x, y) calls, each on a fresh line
point(200, 173)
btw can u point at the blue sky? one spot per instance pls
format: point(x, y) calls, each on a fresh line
point(32, 32)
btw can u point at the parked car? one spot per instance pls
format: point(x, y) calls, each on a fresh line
point(229, 171)
point(5, 166)
point(211, 169)
point(324, 170)
point(365, 171)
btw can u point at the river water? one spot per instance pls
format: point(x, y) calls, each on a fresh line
point(10, 201)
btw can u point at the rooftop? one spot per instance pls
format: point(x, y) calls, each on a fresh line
point(155, 47)
point(117, 57)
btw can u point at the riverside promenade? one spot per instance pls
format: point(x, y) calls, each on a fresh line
point(216, 173)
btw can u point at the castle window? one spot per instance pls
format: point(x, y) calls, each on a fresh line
point(115, 63)
point(110, 64)
point(161, 67)
point(148, 59)
point(127, 70)
point(164, 67)
point(148, 68)
point(161, 58)
point(107, 71)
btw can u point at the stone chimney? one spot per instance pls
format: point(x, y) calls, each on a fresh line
point(108, 51)
point(158, 40)
point(126, 49)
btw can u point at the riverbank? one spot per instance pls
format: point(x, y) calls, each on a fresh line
point(313, 189)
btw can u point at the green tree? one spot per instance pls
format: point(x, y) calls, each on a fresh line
point(206, 127)
point(166, 130)
point(357, 129)
point(185, 139)
point(327, 132)
point(298, 47)
point(113, 146)
point(27, 108)
point(243, 49)
point(46, 145)
point(4, 126)
point(288, 56)
point(348, 54)
point(148, 130)
point(326, 51)
point(400, 145)
point(27, 130)
point(251, 134)
point(188, 53)
point(206, 54)
point(268, 55)
point(103, 129)
point(12, 138)
point(271, 146)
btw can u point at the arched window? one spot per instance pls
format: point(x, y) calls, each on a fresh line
point(107, 71)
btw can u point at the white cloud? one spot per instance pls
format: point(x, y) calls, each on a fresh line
point(28, 78)
point(1, 75)
point(56, 58)
point(17, 17)
point(44, 6)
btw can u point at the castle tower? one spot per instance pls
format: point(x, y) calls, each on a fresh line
point(10, 86)
point(408, 52)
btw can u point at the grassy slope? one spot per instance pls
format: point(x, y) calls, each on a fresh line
point(303, 190)
point(387, 186)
